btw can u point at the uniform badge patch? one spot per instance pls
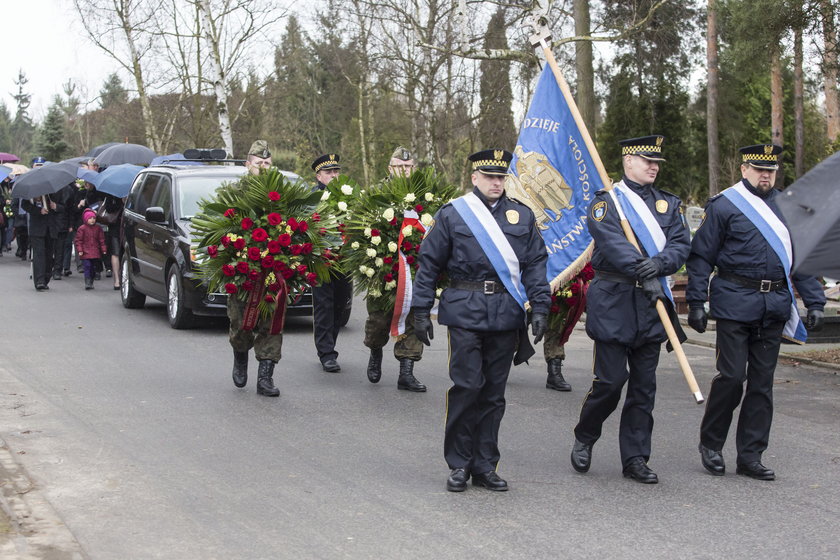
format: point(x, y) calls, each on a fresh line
point(598, 211)
point(512, 216)
point(661, 206)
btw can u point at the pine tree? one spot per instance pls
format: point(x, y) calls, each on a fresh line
point(113, 92)
point(51, 143)
point(22, 128)
point(495, 125)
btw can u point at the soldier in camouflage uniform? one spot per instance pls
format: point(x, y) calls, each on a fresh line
point(555, 353)
point(266, 346)
point(407, 349)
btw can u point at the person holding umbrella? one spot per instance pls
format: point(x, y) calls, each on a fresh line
point(744, 236)
point(38, 189)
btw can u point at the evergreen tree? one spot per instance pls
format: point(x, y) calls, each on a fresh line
point(495, 124)
point(113, 92)
point(5, 128)
point(22, 128)
point(51, 143)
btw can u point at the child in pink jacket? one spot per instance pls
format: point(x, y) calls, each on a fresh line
point(90, 245)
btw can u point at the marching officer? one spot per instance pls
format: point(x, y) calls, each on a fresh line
point(407, 348)
point(329, 300)
point(492, 252)
point(620, 313)
point(267, 347)
point(744, 236)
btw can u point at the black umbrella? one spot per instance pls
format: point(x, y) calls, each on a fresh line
point(101, 148)
point(125, 153)
point(76, 160)
point(811, 206)
point(48, 179)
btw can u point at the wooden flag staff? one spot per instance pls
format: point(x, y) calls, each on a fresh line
point(540, 38)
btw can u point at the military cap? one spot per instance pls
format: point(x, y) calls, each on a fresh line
point(326, 162)
point(401, 154)
point(648, 147)
point(761, 156)
point(491, 162)
point(260, 149)
point(39, 160)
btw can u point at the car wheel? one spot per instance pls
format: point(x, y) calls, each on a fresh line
point(179, 316)
point(131, 298)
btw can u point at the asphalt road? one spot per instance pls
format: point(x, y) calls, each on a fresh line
point(138, 439)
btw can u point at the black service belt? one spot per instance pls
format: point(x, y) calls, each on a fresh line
point(615, 277)
point(483, 286)
point(763, 286)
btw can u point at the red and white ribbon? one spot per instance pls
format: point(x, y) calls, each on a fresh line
point(405, 285)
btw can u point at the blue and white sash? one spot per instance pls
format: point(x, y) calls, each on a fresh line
point(777, 235)
point(644, 225)
point(493, 242)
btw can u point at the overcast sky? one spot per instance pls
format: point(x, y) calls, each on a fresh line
point(44, 38)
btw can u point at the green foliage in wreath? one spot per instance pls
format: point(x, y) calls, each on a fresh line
point(262, 231)
point(372, 231)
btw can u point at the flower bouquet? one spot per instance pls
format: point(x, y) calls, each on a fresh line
point(261, 240)
point(385, 232)
point(568, 303)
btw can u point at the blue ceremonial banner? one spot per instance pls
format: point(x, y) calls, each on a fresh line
point(554, 174)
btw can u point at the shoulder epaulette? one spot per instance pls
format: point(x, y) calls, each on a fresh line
point(669, 193)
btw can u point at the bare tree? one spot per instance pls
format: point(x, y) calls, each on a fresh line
point(118, 27)
point(585, 91)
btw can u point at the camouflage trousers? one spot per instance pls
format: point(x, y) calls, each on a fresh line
point(551, 345)
point(378, 331)
point(266, 346)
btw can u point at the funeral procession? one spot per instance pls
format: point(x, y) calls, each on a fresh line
point(380, 279)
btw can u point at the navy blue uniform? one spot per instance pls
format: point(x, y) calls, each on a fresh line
point(329, 305)
point(627, 331)
point(484, 328)
point(749, 321)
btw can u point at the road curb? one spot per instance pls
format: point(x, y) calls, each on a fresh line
point(833, 368)
point(35, 531)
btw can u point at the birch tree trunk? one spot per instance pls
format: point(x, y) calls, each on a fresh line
point(712, 90)
point(220, 86)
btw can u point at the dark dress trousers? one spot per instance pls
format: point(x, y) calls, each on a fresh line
point(43, 235)
point(484, 326)
point(749, 321)
point(626, 329)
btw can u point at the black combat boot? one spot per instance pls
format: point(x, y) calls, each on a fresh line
point(240, 368)
point(374, 369)
point(88, 282)
point(555, 376)
point(407, 381)
point(265, 385)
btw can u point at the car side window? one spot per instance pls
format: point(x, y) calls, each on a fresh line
point(164, 196)
point(147, 193)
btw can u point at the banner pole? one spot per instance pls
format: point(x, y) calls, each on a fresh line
point(540, 38)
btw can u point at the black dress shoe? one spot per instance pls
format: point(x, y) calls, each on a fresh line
point(331, 366)
point(57, 276)
point(68, 272)
point(581, 456)
point(40, 288)
point(457, 481)
point(491, 481)
point(638, 470)
point(756, 470)
point(712, 461)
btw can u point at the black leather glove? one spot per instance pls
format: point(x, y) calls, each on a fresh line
point(423, 326)
point(815, 320)
point(539, 323)
point(652, 289)
point(697, 319)
point(648, 268)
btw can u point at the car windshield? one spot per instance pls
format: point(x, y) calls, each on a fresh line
point(192, 189)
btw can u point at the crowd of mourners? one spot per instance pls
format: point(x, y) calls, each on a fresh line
point(60, 233)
